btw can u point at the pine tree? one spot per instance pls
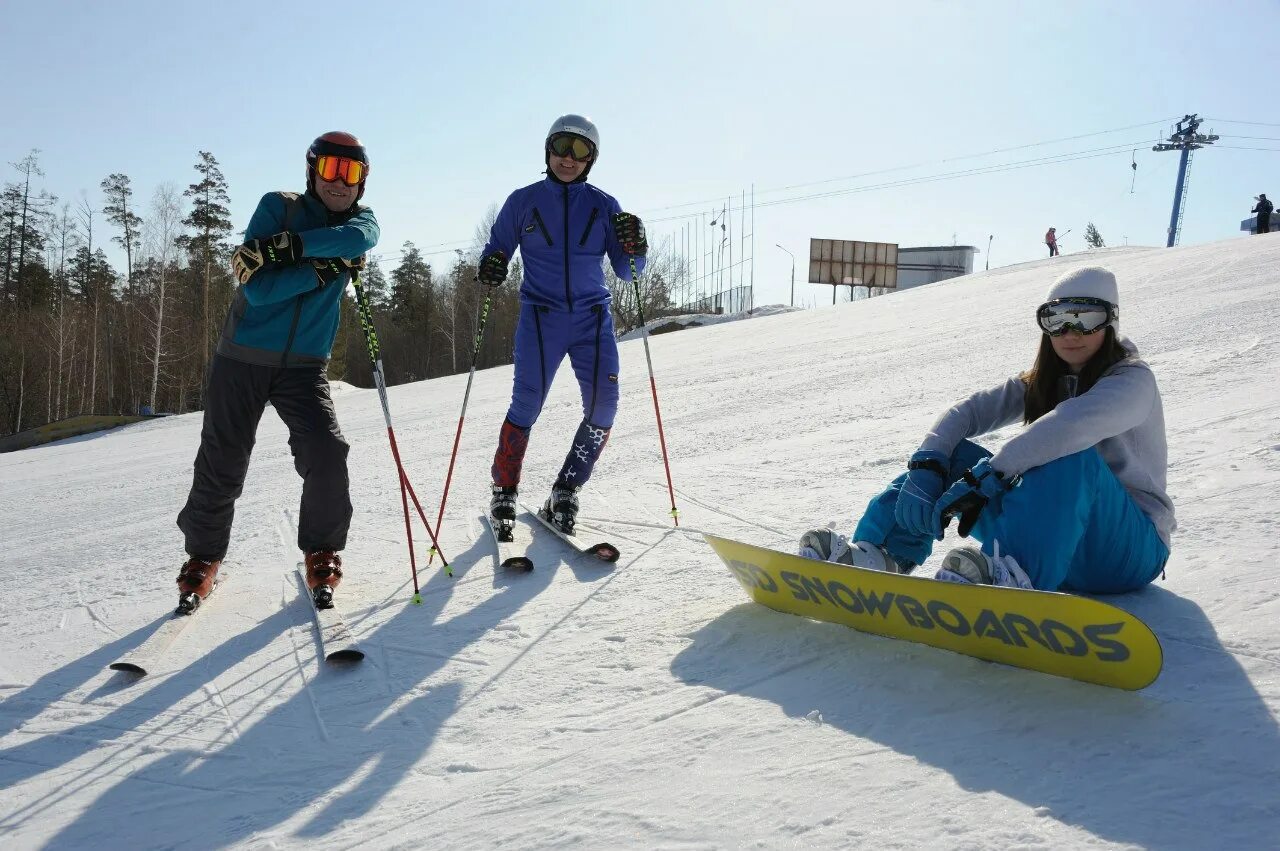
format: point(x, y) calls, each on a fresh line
point(374, 282)
point(409, 309)
point(211, 221)
point(119, 193)
point(25, 234)
point(1093, 238)
point(410, 288)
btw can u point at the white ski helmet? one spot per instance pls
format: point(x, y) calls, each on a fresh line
point(577, 124)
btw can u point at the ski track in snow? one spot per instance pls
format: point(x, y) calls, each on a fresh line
point(648, 703)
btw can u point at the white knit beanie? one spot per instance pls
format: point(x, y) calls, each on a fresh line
point(1089, 282)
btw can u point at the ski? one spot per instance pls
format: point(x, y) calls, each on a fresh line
point(336, 641)
point(581, 539)
point(511, 554)
point(142, 659)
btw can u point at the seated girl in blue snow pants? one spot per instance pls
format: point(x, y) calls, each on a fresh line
point(1076, 501)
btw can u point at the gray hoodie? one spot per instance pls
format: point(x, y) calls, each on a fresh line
point(1121, 415)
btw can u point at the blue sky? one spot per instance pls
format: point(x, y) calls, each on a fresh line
point(695, 102)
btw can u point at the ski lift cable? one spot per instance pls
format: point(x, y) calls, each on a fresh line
point(446, 247)
point(1252, 123)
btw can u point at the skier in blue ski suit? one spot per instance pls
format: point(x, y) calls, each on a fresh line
point(563, 226)
point(1076, 501)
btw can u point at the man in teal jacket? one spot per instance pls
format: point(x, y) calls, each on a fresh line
point(299, 254)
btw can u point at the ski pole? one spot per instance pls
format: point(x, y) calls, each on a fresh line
point(466, 396)
point(653, 386)
point(375, 356)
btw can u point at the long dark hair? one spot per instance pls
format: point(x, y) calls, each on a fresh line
point(1044, 378)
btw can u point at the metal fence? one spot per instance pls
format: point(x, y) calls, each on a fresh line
point(733, 300)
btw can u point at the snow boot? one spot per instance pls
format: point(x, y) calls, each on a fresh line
point(324, 572)
point(972, 565)
point(562, 507)
point(827, 545)
point(195, 582)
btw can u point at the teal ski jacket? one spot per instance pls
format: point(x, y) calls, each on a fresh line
point(283, 316)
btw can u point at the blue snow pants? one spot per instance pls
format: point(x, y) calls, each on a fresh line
point(1070, 524)
point(543, 338)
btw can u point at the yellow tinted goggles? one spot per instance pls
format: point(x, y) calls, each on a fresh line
point(569, 145)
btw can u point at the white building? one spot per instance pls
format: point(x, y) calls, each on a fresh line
point(930, 264)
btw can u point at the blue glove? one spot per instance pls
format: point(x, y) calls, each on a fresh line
point(925, 482)
point(968, 496)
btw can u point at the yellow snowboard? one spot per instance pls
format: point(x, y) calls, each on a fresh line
point(1046, 631)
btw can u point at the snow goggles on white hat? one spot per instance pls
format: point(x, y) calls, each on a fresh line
point(1085, 315)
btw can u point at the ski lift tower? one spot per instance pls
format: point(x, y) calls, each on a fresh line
point(1185, 138)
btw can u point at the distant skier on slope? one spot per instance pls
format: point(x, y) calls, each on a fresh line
point(293, 268)
point(563, 226)
point(1076, 501)
point(1263, 208)
point(1051, 240)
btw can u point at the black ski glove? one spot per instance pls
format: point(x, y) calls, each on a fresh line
point(630, 232)
point(279, 250)
point(329, 269)
point(493, 269)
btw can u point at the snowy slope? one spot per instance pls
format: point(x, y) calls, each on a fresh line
point(650, 705)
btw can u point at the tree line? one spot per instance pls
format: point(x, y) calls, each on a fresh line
point(79, 336)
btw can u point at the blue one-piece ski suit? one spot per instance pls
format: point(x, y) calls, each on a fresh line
point(562, 230)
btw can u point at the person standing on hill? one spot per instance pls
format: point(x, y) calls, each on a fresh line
point(1051, 240)
point(563, 226)
point(1263, 208)
point(293, 268)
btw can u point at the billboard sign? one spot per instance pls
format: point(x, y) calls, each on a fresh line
point(853, 263)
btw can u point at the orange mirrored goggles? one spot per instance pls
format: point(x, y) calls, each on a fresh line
point(330, 168)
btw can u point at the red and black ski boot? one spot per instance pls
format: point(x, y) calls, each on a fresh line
point(195, 582)
point(324, 572)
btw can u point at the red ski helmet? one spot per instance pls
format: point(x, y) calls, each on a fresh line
point(336, 143)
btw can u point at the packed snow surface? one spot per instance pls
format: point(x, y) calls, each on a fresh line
point(650, 704)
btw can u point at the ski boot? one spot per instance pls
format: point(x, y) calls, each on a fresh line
point(502, 512)
point(324, 572)
point(195, 582)
point(561, 507)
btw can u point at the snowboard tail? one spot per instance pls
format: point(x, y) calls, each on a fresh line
point(1047, 631)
